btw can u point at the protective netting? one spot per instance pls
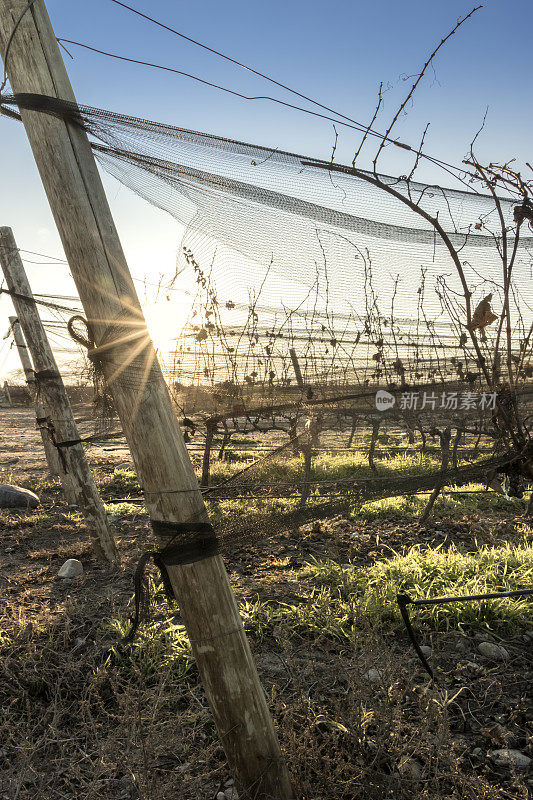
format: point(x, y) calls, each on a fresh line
point(323, 343)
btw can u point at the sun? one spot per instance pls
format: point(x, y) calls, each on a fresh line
point(165, 320)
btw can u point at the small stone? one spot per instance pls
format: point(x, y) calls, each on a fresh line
point(231, 794)
point(506, 757)
point(221, 796)
point(494, 651)
point(17, 497)
point(125, 465)
point(426, 651)
point(71, 569)
point(374, 676)
point(477, 751)
point(229, 783)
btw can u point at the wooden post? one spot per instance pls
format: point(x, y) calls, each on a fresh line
point(74, 463)
point(79, 205)
point(296, 367)
point(210, 430)
point(444, 437)
point(376, 424)
point(7, 394)
point(52, 456)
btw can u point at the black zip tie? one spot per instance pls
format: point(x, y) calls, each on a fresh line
point(404, 600)
point(202, 544)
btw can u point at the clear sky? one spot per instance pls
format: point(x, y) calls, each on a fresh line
point(336, 52)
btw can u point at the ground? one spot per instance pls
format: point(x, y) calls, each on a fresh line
point(356, 714)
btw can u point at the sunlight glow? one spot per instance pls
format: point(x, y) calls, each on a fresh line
point(165, 320)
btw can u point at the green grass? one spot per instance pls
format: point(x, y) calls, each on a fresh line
point(326, 466)
point(121, 481)
point(331, 466)
point(124, 509)
point(426, 573)
point(157, 646)
point(447, 506)
point(336, 602)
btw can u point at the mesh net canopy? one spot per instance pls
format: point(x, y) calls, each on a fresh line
point(328, 348)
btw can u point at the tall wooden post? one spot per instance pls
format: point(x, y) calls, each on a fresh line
point(7, 394)
point(79, 205)
point(296, 367)
point(79, 485)
point(52, 456)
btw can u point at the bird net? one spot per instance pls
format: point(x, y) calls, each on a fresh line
point(332, 343)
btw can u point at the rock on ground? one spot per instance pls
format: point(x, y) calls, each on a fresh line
point(374, 676)
point(495, 651)
point(17, 497)
point(506, 757)
point(71, 569)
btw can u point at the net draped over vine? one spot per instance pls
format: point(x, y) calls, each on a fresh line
point(307, 291)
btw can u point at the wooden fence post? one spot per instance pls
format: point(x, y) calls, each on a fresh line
point(79, 205)
point(52, 456)
point(7, 394)
point(296, 367)
point(211, 428)
point(79, 486)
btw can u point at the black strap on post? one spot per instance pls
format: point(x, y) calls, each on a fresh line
point(46, 375)
point(189, 541)
point(198, 541)
point(68, 443)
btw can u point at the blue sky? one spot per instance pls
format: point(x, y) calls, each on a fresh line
point(336, 52)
